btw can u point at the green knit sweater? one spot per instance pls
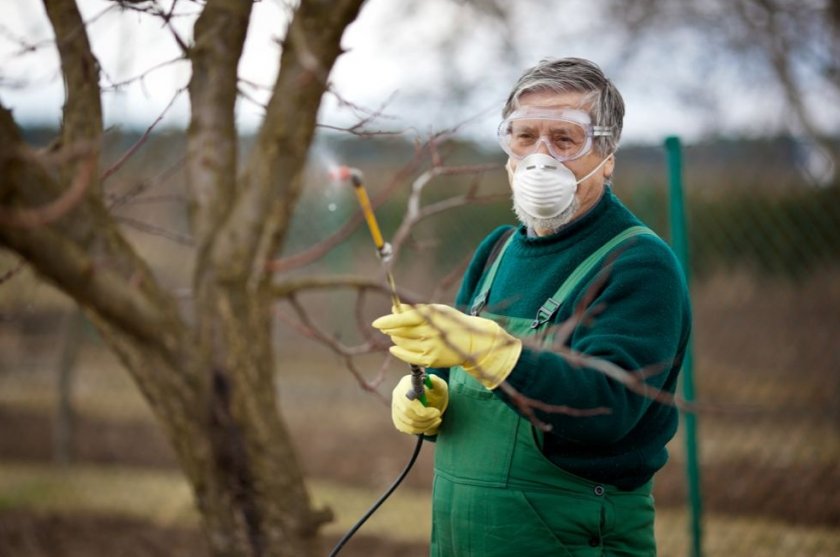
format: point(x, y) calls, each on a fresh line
point(639, 319)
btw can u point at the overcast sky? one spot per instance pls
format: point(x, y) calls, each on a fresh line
point(397, 61)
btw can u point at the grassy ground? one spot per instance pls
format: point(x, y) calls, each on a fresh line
point(766, 362)
point(163, 499)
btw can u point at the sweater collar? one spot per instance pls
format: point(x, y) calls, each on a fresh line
point(583, 222)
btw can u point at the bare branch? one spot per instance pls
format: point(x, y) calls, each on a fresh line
point(292, 287)
point(416, 213)
point(153, 230)
point(27, 47)
point(778, 48)
point(365, 117)
point(13, 272)
point(121, 290)
point(584, 309)
point(115, 201)
point(320, 249)
point(451, 277)
point(252, 99)
point(362, 325)
point(161, 198)
point(144, 74)
point(634, 381)
point(139, 143)
point(38, 216)
point(272, 181)
point(528, 405)
point(82, 117)
point(308, 328)
point(97, 286)
point(212, 142)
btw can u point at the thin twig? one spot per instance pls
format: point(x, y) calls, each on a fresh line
point(161, 198)
point(365, 117)
point(32, 47)
point(139, 143)
point(323, 247)
point(131, 196)
point(308, 328)
point(155, 230)
point(415, 212)
point(451, 277)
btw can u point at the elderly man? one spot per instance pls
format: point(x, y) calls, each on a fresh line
point(560, 460)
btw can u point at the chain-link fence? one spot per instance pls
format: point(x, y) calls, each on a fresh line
point(765, 274)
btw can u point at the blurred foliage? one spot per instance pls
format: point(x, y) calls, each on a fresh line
point(785, 235)
point(750, 205)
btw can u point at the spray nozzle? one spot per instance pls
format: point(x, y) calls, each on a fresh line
point(347, 173)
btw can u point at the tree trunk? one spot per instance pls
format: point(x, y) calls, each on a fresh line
point(208, 375)
point(231, 444)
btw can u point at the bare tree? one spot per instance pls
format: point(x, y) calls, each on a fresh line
point(208, 376)
point(787, 45)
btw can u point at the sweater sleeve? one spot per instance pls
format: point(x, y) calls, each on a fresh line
point(639, 320)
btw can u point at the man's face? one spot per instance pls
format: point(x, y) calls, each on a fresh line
point(592, 186)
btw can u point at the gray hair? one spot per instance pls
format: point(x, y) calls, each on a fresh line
point(563, 75)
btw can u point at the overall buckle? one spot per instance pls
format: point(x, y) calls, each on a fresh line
point(545, 313)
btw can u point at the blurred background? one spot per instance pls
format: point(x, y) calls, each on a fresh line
point(751, 87)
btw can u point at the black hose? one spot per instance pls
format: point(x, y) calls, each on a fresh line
point(381, 500)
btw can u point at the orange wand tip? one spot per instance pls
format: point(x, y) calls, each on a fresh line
point(346, 173)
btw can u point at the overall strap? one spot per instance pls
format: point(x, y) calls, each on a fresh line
point(493, 260)
point(550, 307)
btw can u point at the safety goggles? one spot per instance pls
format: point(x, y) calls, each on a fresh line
point(566, 133)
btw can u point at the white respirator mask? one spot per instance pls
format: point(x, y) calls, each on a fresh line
point(544, 191)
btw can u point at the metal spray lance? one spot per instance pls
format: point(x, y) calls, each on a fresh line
point(383, 249)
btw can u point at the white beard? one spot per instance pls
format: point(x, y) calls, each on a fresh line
point(552, 223)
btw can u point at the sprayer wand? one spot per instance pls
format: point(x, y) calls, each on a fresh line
point(383, 249)
point(418, 376)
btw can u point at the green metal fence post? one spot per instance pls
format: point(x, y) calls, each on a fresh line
point(679, 242)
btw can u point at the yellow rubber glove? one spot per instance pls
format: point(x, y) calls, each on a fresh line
point(435, 335)
point(410, 416)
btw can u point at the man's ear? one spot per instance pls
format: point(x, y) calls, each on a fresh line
point(609, 167)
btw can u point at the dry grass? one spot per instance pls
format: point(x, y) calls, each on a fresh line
point(163, 498)
point(775, 377)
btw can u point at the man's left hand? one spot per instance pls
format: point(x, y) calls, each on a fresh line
point(436, 335)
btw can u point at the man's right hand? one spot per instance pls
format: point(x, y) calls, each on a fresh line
point(410, 416)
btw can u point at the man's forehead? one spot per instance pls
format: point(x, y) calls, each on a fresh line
point(552, 99)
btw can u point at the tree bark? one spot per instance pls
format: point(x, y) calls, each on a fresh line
point(208, 376)
point(253, 484)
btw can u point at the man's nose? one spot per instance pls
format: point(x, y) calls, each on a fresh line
point(542, 147)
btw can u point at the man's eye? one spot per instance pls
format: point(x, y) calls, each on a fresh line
point(563, 140)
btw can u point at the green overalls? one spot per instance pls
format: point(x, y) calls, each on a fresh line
point(496, 495)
